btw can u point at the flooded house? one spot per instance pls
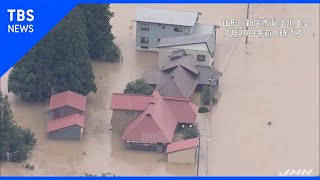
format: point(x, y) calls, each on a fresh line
point(181, 77)
point(153, 24)
point(67, 103)
point(149, 122)
point(68, 127)
point(199, 47)
point(183, 152)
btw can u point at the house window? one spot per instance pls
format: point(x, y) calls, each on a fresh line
point(144, 40)
point(145, 27)
point(129, 113)
point(201, 57)
point(186, 31)
point(144, 47)
point(177, 29)
point(163, 27)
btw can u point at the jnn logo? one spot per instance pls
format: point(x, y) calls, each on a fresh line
point(20, 15)
point(296, 172)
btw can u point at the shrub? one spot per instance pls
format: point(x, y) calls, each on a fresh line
point(206, 95)
point(190, 133)
point(203, 110)
point(138, 86)
point(214, 100)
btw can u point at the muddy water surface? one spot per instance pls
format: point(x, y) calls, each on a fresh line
point(277, 80)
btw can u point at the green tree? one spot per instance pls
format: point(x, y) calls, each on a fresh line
point(29, 78)
point(16, 142)
point(206, 95)
point(59, 62)
point(97, 20)
point(71, 65)
point(138, 86)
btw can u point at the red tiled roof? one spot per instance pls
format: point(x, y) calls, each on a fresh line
point(66, 121)
point(156, 124)
point(129, 101)
point(68, 98)
point(181, 145)
point(183, 109)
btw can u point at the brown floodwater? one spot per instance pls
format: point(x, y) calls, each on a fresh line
point(273, 80)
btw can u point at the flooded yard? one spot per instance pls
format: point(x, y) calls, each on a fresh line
point(273, 80)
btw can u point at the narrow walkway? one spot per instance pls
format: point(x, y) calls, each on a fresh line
point(204, 128)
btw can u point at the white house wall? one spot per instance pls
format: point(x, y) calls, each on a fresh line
point(193, 50)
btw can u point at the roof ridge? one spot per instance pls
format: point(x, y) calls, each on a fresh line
point(129, 94)
point(175, 70)
point(176, 98)
point(68, 97)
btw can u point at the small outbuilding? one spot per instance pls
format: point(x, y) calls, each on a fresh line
point(68, 127)
point(67, 103)
point(183, 152)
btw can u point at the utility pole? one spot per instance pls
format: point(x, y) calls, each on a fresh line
point(247, 25)
point(198, 158)
point(211, 86)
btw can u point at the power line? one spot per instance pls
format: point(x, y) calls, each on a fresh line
point(235, 47)
point(220, 60)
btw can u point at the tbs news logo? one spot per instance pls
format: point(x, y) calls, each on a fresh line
point(20, 21)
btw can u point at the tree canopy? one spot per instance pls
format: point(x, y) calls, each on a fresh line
point(97, 20)
point(61, 60)
point(138, 86)
point(16, 142)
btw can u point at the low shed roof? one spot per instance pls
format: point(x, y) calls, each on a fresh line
point(68, 98)
point(66, 121)
point(182, 145)
point(164, 16)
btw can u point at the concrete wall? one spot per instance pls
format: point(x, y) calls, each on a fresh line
point(69, 133)
point(64, 111)
point(166, 51)
point(186, 156)
point(120, 119)
point(156, 32)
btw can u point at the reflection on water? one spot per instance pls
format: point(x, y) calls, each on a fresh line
point(275, 81)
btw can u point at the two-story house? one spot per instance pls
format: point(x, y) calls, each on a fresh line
point(154, 24)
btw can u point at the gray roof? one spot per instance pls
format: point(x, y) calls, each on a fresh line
point(207, 73)
point(185, 61)
point(153, 77)
point(179, 84)
point(177, 79)
point(165, 16)
point(193, 39)
point(200, 29)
